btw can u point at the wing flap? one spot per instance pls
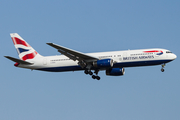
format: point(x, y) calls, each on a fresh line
point(18, 60)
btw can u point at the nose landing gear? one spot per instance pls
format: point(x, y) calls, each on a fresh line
point(162, 69)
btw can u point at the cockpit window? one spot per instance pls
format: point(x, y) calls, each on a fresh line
point(168, 52)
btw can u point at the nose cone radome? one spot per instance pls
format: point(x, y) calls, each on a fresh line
point(174, 56)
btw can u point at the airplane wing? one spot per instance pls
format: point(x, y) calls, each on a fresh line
point(72, 54)
point(18, 60)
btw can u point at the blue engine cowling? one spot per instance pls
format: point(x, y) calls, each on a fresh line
point(103, 63)
point(115, 71)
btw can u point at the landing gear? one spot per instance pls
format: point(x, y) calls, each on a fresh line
point(162, 69)
point(96, 77)
point(96, 72)
point(88, 71)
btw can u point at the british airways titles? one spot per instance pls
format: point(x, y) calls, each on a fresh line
point(138, 57)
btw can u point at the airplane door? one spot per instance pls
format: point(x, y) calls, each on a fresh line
point(45, 61)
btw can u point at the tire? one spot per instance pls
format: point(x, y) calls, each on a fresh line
point(90, 73)
point(86, 72)
point(94, 77)
point(98, 78)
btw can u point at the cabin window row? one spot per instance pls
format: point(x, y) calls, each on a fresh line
point(104, 56)
point(60, 60)
point(142, 54)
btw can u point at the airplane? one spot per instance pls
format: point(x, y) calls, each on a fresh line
point(112, 62)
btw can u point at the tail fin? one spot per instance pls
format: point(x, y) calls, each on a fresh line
point(25, 51)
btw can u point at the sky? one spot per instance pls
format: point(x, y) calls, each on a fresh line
point(143, 93)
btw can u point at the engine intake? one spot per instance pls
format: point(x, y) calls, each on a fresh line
point(115, 71)
point(103, 63)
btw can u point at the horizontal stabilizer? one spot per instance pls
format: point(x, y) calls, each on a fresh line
point(18, 60)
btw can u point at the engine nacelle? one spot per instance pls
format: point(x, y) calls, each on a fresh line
point(115, 71)
point(103, 63)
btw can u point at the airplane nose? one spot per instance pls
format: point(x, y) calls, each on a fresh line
point(174, 56)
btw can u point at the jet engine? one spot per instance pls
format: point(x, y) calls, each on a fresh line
point(115, 71)
point(103, 63)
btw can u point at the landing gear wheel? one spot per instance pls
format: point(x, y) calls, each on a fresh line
point(98, 78)
point(94, 77)
point(86, 72)
point(90, 73)
point(162, 69)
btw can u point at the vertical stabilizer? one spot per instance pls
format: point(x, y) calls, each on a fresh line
point(25, 51)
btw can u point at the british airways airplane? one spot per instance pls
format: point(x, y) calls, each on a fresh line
point(70, 60)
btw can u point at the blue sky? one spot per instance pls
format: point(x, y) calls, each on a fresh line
point(90, 26)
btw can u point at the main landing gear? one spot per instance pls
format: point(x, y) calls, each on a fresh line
point(86, 71)
point(162, 69)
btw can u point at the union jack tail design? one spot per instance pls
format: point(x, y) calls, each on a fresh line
point(25, 51)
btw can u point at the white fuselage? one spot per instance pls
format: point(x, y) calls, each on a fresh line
point(129, 58)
